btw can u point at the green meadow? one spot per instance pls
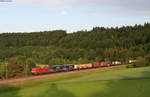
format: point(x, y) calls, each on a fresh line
point(116, 82)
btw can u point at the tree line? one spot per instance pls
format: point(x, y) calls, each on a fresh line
point(19, 52)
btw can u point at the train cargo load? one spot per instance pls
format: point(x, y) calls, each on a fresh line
point(100, 64)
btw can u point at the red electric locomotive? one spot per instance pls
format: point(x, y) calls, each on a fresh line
point(41, 70)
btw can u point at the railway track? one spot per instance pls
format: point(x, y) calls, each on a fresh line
point(16, 80)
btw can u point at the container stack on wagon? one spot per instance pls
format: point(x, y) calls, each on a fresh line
point(101, 64)
point(70, 67)
point(114, 63)
point(59, 68)
point(82, 66)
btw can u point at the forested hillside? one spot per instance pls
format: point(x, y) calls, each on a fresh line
point(59, 47)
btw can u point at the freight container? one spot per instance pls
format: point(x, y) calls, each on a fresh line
point(67, 67)
point(95, 65)
point(89, 65)
point(132, 61)
point(77, 66)
point(82, 66)
point(104, 64)
point(71, 67)
point(100, 64)
point(116, 63)
point(57, 68)
point(85, 66)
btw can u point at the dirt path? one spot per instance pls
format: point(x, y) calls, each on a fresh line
point(8, 81)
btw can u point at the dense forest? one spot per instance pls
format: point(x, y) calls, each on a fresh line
point(19, 52)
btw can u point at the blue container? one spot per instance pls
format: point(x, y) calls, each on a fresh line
point(58, 68)
point(67, 67)
point(71, 67)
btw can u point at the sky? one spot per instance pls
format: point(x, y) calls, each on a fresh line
point(71, 15)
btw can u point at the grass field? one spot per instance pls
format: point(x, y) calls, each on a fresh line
point(106, 83)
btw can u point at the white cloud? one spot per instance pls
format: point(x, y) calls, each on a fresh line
point(127, 4)
point(49, 1)
point(61, 11)
point(64, 12)
point(130, 4)
point(138, 6)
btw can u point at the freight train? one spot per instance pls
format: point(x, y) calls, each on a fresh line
point(71, 67)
